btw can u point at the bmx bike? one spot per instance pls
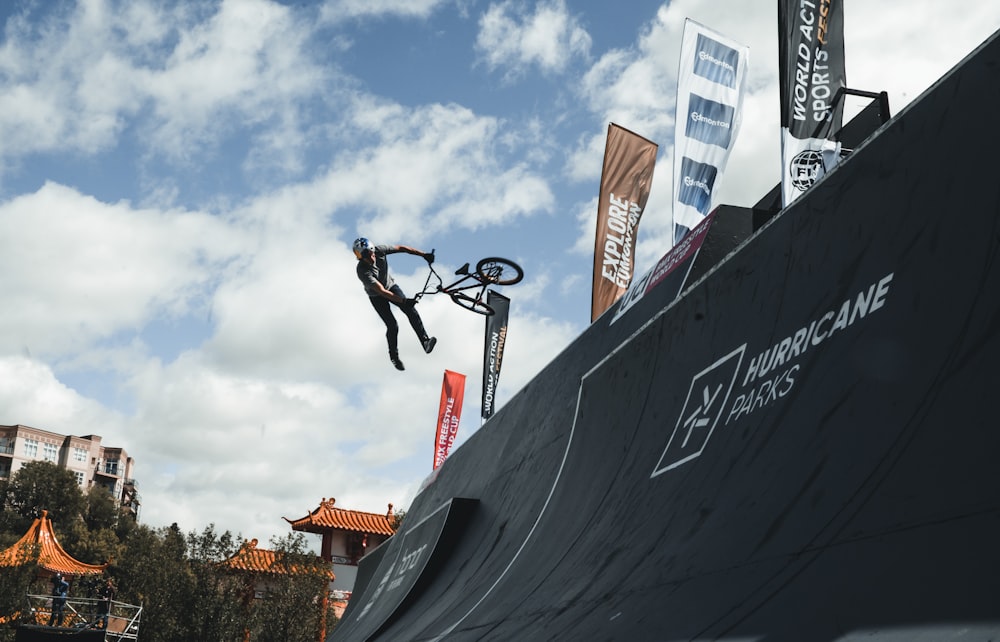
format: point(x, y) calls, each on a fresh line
point(469, 290)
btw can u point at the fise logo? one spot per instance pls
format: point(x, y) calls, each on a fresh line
point(702, 410)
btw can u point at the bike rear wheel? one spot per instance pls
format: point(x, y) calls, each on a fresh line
point(471, 303)
point(499, 271)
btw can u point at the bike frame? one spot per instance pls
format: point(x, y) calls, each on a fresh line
point(458, 292)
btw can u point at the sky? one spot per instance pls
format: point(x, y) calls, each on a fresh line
point(181, 182)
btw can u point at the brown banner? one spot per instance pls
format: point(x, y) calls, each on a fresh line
point(625, 183)
point(449, 414)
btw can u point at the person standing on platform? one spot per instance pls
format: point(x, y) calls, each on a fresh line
point(60, 589)
point(105, 595)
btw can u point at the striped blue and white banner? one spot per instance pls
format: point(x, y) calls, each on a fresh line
point(710, 89)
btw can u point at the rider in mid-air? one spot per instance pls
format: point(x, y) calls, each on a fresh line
point(373, 270)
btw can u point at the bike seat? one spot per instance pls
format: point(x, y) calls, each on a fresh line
point(463, 271)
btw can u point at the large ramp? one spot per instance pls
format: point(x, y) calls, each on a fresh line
point(801, 447)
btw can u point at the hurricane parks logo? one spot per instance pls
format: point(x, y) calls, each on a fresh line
point(704, 406)
point(733, 388)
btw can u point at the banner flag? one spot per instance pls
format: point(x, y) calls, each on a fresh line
point(626, 179)
point(496, 339)
point(811, 71)
point(671, 271)
point(710, 89)
point(449, 414)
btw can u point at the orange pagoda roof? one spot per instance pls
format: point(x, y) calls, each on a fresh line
point(259, 560)
point(328, 518)
point(51, 555)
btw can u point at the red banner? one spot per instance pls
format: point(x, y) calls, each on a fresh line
point(449, 414)
point(625, 183)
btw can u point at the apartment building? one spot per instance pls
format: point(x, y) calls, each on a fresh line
point(86, 457)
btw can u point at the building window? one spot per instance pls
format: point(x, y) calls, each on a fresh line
point(80, 455)
point(30, 447)
point(111, 467)
point(51, 452)
point(79, 478)
point(6, 446)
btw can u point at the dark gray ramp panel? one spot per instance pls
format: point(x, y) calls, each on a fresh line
point(367, 568)
point(801, 447)
point(409, 562)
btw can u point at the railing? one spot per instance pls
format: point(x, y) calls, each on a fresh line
point(838, 98)
point(82, 613)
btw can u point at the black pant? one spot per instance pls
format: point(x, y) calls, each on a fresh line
point(56, 617)
point(381, 305)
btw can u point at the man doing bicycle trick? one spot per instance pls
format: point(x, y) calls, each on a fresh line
point(373, 270)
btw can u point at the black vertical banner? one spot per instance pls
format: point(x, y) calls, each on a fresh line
point(496, 338)
point(811, 70)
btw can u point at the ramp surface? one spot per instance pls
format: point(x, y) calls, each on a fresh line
point(801, 447)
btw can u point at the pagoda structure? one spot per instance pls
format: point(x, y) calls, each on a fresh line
point(347, 534)
point(251, 559)
point(52, 558)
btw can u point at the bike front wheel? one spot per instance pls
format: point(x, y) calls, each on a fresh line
point(471, 303)
point(499, 271)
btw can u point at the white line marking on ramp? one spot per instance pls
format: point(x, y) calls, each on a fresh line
point(538, 519)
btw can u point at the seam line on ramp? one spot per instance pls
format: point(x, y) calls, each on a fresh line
point(528, 537)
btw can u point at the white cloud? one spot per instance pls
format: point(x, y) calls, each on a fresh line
point(548, 38)
point(32, 395)
point(244, 66)
point(247, 63)
point(74, 271)
point(337, 10)
point(433, 168)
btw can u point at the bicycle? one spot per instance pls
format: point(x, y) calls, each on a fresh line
point(492, 270)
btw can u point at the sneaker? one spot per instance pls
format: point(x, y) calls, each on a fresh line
point(429, 344)
point(394, 358)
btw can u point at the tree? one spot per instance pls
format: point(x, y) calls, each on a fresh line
point(219, 610)
point(14, 584)
point(154, 573)
point(185, 590)
point(41, 485)
point(101, 510)
point(291, 608)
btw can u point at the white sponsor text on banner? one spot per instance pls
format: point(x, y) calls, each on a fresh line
point(710, 89)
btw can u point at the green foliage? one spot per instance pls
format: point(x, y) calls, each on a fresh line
point(38, 486)
point(14, 583)
point(279, 615)
point(101, 510)
point(186, 591)
point(219, 604)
